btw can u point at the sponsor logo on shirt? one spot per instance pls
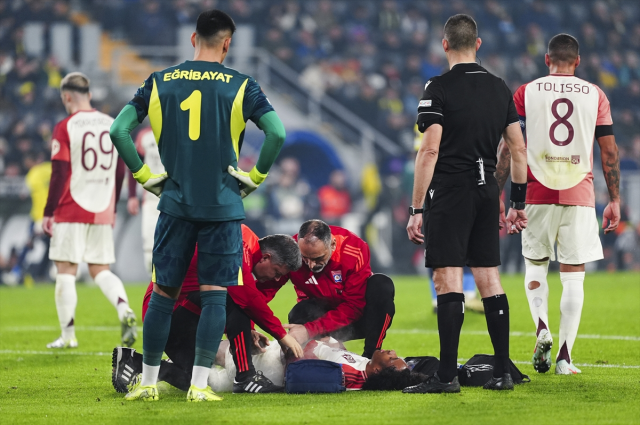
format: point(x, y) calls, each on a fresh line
point(424, 103)
point(549, 158)
point(348, 358)
point(575, 159)
point(337, 276)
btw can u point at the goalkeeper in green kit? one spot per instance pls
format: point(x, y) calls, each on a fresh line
point(198, 112)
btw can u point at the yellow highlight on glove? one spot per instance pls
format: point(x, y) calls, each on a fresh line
point(248, 182)
point(153, 183)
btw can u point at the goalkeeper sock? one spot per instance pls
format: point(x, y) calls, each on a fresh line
point(570, 311)
point(66, 301)
point(155, 332)
point(537, 290)
point(210, 329)
point(112, 288)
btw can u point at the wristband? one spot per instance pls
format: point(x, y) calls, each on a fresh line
point(256, 176)
point(518, 192)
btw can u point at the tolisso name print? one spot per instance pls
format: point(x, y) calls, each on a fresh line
point(563, 88)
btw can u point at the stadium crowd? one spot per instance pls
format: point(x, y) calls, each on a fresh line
point(374, 57)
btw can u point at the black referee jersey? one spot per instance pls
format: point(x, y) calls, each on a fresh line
point(474, 107)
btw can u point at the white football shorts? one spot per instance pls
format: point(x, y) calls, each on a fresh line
point(574, 228)
point(82, 242)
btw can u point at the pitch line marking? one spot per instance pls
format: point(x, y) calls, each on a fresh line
point(72, 352)
point(390, 331)
point(515, 333)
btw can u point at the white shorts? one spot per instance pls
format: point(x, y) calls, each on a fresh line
point(82, 242)
point(574, 228)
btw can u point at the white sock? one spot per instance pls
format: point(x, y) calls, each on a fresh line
point(570, 308)
point(200, 376)
point(536, 271)
point(113, 289)
point(149, 375)
point(66, 301)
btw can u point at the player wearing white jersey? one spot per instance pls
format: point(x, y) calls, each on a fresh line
point(148, 149)
point(560, 115)
point(80, 212)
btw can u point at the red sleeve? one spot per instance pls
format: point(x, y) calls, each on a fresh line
point(604, 109)
point(254, 304)
point(120, 167)
point(60, 172)
point(60, 146)
point(518, 99)
point(355, 256)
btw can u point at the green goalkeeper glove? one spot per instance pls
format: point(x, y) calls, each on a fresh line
point(248, 181)
point(154, 183)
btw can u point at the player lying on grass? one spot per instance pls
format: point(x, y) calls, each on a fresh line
point(383, 371)
point(262, 260)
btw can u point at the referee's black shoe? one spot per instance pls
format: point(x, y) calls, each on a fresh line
point(433, 385)
point(258, 383)
point(504, 383)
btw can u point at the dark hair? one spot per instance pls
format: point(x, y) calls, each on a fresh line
point(563, 48)
point(283, 249)
point(390, 379)
point(315, 229)
point(461, 31)
point(213, 22)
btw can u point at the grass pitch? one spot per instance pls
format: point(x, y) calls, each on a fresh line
point(38, 385)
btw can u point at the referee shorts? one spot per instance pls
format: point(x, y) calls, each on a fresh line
point(461, 222)
point(219, 251)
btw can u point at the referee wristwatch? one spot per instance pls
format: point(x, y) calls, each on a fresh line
point(414, 211)
point(517, 205)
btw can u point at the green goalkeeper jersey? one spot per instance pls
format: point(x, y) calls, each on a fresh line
point(198, 112)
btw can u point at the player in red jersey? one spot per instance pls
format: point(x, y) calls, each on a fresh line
point(338, 295)
point(560, 115)
point(80, 213)
point(263, 259)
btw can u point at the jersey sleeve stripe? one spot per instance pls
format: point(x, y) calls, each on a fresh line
point(237, 119)
point(155, 112)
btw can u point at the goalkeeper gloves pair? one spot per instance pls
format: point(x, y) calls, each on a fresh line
point(153, 183)
point(248, 181)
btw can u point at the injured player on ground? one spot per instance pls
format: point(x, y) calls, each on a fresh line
point(383, 371)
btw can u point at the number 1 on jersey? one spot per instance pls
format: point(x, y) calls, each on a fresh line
point(193, 104)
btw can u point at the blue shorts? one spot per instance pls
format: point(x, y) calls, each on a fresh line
point(219, 251)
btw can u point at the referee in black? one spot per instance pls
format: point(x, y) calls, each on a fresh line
point(463, 114)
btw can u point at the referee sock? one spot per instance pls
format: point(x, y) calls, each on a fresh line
point(112, 288)
point(570, 311)
point(537, 290)
point(450, 319)
point(210, 329)
point(66, 302)
point(496, 311)
point(155, 332)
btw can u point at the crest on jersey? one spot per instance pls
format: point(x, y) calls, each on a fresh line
point(348, 358)
point(575, 159)
point(337, 276)
point(55, 148)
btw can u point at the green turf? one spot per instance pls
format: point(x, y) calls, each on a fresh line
point(74, 386)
